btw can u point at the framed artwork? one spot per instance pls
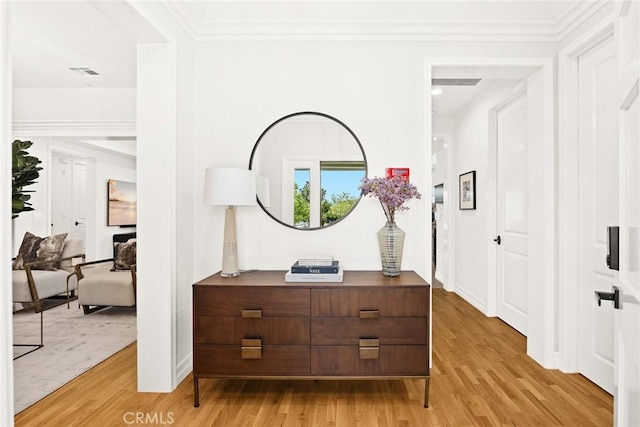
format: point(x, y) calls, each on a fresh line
point(121, 203)
point(468, 190)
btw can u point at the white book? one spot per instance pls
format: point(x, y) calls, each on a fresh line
point(316, 261)
point(315, 277)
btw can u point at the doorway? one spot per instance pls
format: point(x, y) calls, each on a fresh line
point(473, 254)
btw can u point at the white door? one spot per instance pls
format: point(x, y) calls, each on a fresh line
point(68, 196)
point(79, 202)
point(61, 194)
point(598, 195)
point(627, 318)
point(512, 239)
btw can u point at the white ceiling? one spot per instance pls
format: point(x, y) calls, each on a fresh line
point(542, 20)
point(280, 11)
point(455, 98)
point(48, 37)
point(51, 36)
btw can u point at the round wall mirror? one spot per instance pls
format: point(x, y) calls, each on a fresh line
point(309, 166)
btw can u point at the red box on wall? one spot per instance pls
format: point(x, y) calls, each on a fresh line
point(402, 172)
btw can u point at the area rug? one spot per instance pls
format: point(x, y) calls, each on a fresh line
point(74, 342)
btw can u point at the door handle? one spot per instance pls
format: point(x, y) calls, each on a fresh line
point(498, 240)
point(77, 223)
point(609, 296)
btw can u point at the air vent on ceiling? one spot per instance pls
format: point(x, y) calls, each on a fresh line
point(84, 71)
point(454, 82)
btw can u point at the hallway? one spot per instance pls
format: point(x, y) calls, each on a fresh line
point(480, 376)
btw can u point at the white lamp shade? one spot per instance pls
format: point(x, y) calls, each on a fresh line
point(230, 187)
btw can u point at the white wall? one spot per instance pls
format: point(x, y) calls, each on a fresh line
point(470, 151)
point(68, 104)
point(101, 166)
point(376, 89)
point(229, 92)
point(44, 116)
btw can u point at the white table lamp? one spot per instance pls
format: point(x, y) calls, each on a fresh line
point(229, 187)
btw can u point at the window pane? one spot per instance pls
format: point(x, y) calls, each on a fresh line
point(301, 202)
point(339, 181)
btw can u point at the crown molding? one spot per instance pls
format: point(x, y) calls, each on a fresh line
point(418, 30)
point(74, 128)
point(577, 15)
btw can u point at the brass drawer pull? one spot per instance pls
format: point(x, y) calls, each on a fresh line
point(369, 342)
point(252, 348)
point(369, 314)
point(252, 314)
point(369, 348)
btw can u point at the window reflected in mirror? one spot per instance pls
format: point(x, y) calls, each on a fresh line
point(339, 181)
point(309, 167)
point(301, 198)
point(339, 187)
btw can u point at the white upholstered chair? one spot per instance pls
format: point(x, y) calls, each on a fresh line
point(100, 286)
point(31, 286)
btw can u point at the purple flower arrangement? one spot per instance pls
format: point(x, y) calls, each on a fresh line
point(392, 192)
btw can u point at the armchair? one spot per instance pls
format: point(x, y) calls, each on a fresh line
point(108, 282)
point(31, 285)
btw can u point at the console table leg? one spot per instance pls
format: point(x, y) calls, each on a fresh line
point(426, 392)
point(196, 392)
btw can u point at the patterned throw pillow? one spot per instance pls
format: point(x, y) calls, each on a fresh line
point(51, 250)
point(34, 248)
point(125, 256)
point(28, 251)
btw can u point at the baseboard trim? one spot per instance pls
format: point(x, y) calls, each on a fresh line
point(439, 277)
point(471, 299)
point(184, 368)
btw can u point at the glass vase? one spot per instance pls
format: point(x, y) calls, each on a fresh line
point(391, 243)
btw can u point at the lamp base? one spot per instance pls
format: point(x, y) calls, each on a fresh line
point(230, 274)
point(230, 245)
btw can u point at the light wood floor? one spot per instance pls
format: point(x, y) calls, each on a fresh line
point(480, 376)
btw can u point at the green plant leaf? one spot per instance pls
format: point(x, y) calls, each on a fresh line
point(24, 172)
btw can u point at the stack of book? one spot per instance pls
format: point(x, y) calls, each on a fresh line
point(315, 270)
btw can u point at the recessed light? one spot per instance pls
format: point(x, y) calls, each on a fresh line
point(436, 91)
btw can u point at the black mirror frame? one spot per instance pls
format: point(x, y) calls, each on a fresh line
point(364, 158)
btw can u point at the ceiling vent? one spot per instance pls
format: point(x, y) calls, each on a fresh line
point(85, 71)
point(454, 82)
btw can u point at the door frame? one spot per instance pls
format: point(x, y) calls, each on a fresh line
point(541, 342)
point(568, 211)
point(450, 181)
point(6, 324)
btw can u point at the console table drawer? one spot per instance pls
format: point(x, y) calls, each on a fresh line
point(350, 360)
point(231, 330)
point(269, 301)
point(387, 302)
point(348, 330)
point(227, 360)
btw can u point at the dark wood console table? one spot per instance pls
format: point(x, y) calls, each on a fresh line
point(257, 326)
